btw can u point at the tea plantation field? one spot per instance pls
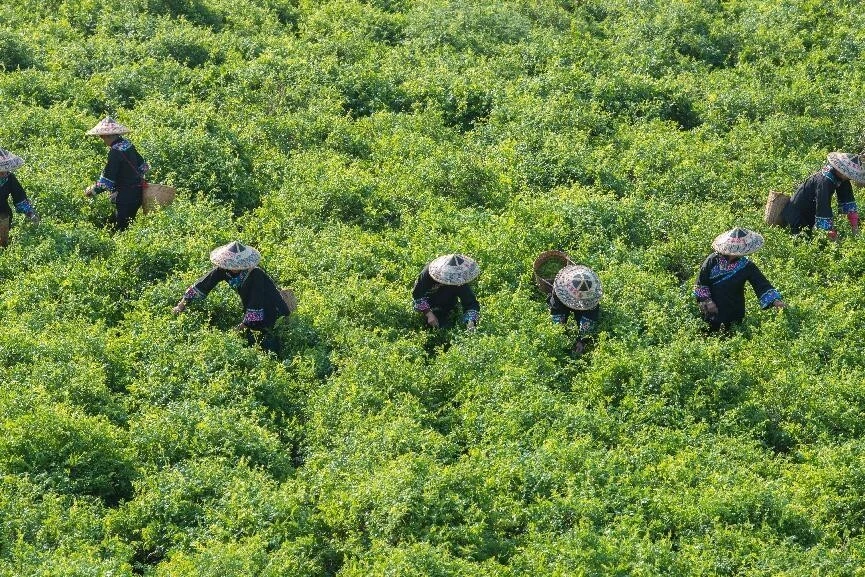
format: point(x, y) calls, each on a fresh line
point(352, 142)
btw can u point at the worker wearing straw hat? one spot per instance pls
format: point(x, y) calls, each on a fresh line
point(123, 176)
point(440, 284)
point(9, 186)
point(811, 205)
point(237, 265)
point(720, 288)
point(577, 291)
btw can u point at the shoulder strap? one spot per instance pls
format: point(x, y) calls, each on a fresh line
point(132, 166)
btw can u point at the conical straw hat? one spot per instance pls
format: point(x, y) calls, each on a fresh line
point(578, 287)
point(9, 162)
point(738, 242)
point(454, 269)
point(106, 127)
point(850, 165)
point(235, 256)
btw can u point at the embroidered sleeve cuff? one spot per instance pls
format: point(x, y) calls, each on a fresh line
point(587, 325)
point(24, 207)
point(471, 316)
point(193, 294)
point(253, 316)
point(702, 293)
point(105, 183)
point(848, 207)
point(421, 305)
point(143, 168)
point(823, 223)
point(769, 297)
point(560, 319)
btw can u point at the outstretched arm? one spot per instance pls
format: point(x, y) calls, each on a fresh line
point(558, 311)
point(471, 306)
point(703, 291)
point(422, 286)
point(847, 205)
point(200, 289)
point(768, 295)
point(108, 178)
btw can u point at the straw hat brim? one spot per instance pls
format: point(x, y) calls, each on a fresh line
point(443, 272)
point(751, 244)
point(224, 258)
point(571, 300)
point(107, 127)
point(11, 163)
point(107, 131)
point(843, 163)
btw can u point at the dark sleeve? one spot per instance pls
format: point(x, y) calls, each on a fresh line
point(587, 321)
point(202, 287)
point(19, 197)
point(558, 311)
point(471, 306)
point(108, 178)
point(703, 290)
point(422, 286)
point(823, 218)
point(846, 201)
point(257, 298)
point(762, 287)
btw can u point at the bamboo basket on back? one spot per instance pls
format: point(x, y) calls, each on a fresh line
point(155, 196)
point(547, 266)
point(775, 205)
point(289, 299)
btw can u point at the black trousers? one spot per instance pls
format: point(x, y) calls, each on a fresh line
point(123, 214)
point(265, 338)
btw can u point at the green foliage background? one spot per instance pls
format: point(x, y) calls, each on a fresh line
point(352, 142)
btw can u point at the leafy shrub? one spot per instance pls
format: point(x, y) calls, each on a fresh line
point(68, 452)
point(187, 46)
point(15, 53)
point(199, 12)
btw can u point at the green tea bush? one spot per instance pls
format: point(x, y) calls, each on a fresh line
point(67, 452)
point(188, 46)
point(17, 54)
point(200, 12)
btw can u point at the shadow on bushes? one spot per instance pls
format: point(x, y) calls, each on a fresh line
point(195, 11)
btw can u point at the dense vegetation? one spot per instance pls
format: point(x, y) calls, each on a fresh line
point(353, 141)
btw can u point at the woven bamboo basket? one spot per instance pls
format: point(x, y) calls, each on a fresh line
point(156, 195)
point(775, 205)
point(289, 299)
point(546, 266)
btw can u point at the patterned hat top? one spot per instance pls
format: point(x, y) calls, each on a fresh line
point(9, 162)
point(454, 269)
point(235, 256)
point(578, 287)
point(850, 165)
point(107, 126)
point(738, 242)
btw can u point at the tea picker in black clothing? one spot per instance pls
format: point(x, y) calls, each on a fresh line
point(10, 187)
point(811, 205)
point(441, 284)
point(123, 176)
point(237, 265)
point(720, 288)
point(577, 291)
